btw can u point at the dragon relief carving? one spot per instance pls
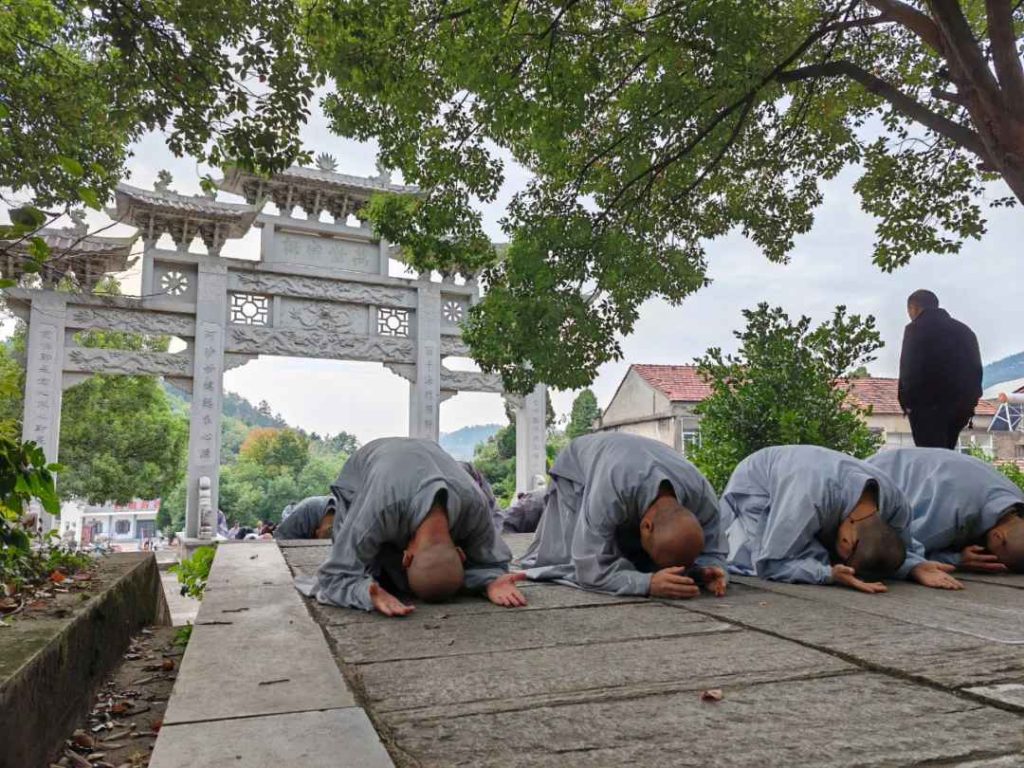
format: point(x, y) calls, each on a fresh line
point(315, 288)
point(130, 321)
point(293, 342)
point(470, 381)
point(128, 363)
point(322, 316)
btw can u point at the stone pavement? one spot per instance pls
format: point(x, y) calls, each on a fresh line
point(810, 676)
point(257, 685)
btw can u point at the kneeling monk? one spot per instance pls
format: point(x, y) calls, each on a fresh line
point(965, 512)
point(628, 515)
point(410, 515)
point(805, 514)
point(311, 518)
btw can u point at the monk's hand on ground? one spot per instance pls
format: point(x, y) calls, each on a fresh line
point(670, 582)
point(503, 590)
point(935, 575)
point(976, 558)
point(845, 575)
point(386, 603)
point(715, 580)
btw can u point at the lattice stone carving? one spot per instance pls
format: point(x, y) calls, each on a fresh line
point(393, 322)
point(250, 309)
point(174, 283)
point(452, 311)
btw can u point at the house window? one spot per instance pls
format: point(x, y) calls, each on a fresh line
point(984, 443)
point(1018, 451)
point(691, 440)
point(122, 527)
point(97, 527)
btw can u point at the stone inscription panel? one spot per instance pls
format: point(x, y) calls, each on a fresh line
point(317, 251)
point(319, 288)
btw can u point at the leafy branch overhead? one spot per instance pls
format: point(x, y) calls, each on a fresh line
point(654, 127)
point(82, 80)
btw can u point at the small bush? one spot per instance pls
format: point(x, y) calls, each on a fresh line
point(192, 572)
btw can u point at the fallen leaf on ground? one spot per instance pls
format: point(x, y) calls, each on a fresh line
point(8, 604)
point(57, 577)
point(82, 739)
point(712, 694)
point(84, 576)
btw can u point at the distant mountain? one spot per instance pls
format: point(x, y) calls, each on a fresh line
point(1008, 368)
point(462, 442)
point(236, 407)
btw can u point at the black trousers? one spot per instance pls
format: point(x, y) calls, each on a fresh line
point(939, 426)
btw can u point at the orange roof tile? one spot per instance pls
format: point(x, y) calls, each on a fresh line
point(881, 395)
point(679, 383)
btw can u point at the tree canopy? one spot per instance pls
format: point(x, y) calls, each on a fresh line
point(784, 386)
point(584, 413)
point(81, 80)
point(653, 127)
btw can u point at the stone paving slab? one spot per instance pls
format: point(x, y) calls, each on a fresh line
point(946, 658)
point(992, 613)
point(540, 597)
point(458, 635)
point(339, 738)
point(850, 720)
point(260, 664)
point(817, 676)
point(249, 564)
point(620, 668)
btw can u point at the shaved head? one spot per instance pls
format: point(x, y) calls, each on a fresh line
point(878, 549)
point(1006, 540)
point(671, 534)
point(436, 571)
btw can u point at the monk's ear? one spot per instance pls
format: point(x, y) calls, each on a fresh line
point(462, 555)
point(646, 524)
point(407, 559)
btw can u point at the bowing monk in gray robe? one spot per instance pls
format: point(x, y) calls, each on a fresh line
point(806, 514)
point(311, 518)
point(965, 512)
point(410, 517)
point(628, 515)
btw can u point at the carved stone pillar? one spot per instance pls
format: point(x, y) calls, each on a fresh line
point(207, 392)
point(43, 379)
point(531, 440)
point(425, 390)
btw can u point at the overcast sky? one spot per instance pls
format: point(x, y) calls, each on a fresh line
point(831, 265)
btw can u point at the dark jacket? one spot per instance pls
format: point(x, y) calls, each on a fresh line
point(940, 364)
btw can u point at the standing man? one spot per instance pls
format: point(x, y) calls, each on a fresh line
point(940, 373)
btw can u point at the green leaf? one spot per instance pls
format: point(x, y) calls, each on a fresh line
point(90, 198)
point(71, 165)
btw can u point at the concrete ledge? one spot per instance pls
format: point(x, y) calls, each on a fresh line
point(50, 668)
point(258, 684)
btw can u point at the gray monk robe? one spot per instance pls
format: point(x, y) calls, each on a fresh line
point(305, 517)
point(783, 505)
point(385, 490)
point(955, 498)
point(602, 484)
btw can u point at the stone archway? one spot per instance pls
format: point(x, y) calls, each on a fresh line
point(320, 290)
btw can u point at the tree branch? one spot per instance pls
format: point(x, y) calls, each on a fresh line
point(1004, 53)
point(912, 19)
point(962, 50)
point(903, 103)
